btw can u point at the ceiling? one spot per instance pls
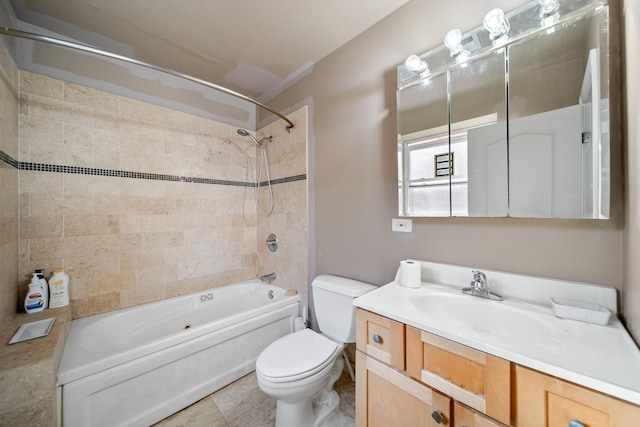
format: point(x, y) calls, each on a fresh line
point(256, 48)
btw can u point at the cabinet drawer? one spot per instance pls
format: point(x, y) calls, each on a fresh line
point(477, 379)
point(381, 338)
point(467, 417)
point(386, 397)
point(545, 401)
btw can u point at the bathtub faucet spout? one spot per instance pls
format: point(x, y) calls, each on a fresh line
point(268, 277)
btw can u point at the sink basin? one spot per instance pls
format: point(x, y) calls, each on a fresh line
point(502, 318)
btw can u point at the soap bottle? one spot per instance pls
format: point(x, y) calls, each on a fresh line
point(45, 286)
point(34, 300)
point(58, 289)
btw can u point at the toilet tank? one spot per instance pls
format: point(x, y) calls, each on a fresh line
point(333, 301)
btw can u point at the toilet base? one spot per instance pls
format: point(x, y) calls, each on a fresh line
point(313, 412)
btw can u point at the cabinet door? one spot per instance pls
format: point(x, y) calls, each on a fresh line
point(388, 398)
point(381, 338)
point(472, 377)
point(466, 417)
point(544, 401)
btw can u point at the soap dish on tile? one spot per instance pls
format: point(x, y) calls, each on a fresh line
point(578, 310)
point(32, 330)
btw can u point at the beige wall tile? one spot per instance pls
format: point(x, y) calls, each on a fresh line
point(92, 98)
point(56, 204)
point(36, 129)
point(41, 226)
point(54, 154)
point(37, 84)
point(90, 225)
point(10, 199)
point(87, 185)
point(34, 182)
point(129, 241)
point(289, 218)
point(92, 137)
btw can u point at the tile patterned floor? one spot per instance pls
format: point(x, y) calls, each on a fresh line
point(243, 404)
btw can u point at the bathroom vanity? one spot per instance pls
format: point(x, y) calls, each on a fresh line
point(434, 356)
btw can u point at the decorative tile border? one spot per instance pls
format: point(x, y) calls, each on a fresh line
point(42, 167)
point(9, 160)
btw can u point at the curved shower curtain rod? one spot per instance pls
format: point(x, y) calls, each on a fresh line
point(86, 48)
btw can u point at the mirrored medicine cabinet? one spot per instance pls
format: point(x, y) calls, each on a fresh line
point(514, 125)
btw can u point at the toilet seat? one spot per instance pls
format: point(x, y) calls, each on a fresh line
point(295, 356)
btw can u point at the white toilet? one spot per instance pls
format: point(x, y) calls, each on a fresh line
point(299, 369)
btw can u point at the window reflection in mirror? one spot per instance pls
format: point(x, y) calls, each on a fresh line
point(478, 110)
point(422, 140)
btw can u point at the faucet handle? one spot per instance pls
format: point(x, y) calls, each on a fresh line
point(479, 277)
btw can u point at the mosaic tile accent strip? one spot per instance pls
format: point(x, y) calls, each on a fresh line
point(8, 159)
point(41, 167)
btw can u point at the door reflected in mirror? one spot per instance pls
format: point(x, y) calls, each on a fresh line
point(559, 137)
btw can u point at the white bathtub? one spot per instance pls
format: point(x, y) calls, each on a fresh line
point(136, 366)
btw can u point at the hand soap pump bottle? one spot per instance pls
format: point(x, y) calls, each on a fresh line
point(45, 286)
point(34, 301)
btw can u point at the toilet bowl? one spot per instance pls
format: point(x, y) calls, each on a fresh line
point(300, 369)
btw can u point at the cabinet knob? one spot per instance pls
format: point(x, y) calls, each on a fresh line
point(575, 423)
point(377, 339)
point(437, 416)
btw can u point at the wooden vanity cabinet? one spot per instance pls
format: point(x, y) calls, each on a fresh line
point(409, 377)
point(386, 397)
point(381, 338)
point(545, 401)
point(467, 417)
point(470, 376)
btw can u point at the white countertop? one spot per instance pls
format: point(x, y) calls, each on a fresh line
point(603, 358)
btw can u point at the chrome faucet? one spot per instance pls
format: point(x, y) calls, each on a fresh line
point(479, 287)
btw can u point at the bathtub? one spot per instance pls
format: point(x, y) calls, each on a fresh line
point(136, 366)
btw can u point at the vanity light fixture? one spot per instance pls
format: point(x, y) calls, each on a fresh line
point(417, 65)
point(496, 23)
point(548, 7)
point(453, 41)
point(549, 15)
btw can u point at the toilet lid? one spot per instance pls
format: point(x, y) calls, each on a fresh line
point(296, 355)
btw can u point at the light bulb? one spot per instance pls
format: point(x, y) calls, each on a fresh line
point(496, 23)
point(453, 41)
point(548, 7)
point(415, 64)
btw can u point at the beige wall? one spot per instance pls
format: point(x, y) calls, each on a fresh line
point(353, 117)
point(8, 186)
point(631, 70)
point(126, 241)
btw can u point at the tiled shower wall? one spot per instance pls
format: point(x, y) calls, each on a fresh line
point(137, 202)
point(8, 186)
point(287, 157)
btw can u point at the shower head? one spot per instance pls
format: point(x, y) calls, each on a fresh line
point(245, 133)
point(258, 143)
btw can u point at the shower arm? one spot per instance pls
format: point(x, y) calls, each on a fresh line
point(86, 48)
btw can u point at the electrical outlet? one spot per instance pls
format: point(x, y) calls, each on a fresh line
point(401, 224)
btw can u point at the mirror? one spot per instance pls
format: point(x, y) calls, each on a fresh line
point(558, 140)
point(425, 127)
point(518, 127)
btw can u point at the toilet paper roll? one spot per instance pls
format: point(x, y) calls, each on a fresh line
point(410, 274)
